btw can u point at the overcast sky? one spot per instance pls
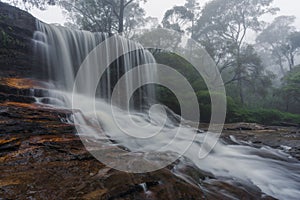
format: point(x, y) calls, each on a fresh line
point(157, 8)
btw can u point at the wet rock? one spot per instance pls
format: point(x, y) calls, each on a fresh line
point(243, 126)
point(21, 90)
point(219, 189)
point(289, 124)
point(282, 138)
point(17, 58)
point(41, 157)
point(16, 98)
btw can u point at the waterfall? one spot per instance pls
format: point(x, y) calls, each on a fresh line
point(64, 50)
point(64, 60)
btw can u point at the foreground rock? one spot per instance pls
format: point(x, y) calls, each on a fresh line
point(42, 158)
point(282, 138)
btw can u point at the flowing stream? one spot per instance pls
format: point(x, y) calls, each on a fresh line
point(273, 171)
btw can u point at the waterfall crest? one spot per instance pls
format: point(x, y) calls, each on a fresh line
point(65, 49)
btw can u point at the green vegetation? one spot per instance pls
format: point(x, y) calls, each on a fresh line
point(5, 38)
point(236, 112)
point(291, 89)
point(264, 116)
point(7, 41)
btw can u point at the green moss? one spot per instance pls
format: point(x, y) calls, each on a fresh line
point(4, 38)
point(8, 41)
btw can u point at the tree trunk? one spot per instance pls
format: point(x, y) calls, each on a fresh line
point(192, 29)
point(239, 75)
point(121, 17)
point(292, 61)
point(287, 104)
point(281, 65)
point(240, 86)
point(289, 59)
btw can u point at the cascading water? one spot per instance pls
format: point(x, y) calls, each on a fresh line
point(274, 173)
point(63, 61)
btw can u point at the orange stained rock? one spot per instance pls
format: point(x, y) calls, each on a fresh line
point(5, 141)
point(49, 138)
point(21, 83)
point(17, 104)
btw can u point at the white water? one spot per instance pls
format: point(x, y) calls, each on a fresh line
point(269, 169)
point(64, 50)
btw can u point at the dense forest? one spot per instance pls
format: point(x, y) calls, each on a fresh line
point(262, 77)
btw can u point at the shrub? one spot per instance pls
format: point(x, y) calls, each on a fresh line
point(263, 116)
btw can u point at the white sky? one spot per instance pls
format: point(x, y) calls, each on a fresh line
point(157, 8)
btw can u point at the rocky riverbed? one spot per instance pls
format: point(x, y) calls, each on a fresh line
point(285, 138)
point(41, 157)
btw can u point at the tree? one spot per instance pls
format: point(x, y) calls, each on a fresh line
point(291, 48)
point(92, 15)
point(134, 17)
point(152, 22)
point(291, 90)
point(159, 38)
point(96, 15)
point(257, 80)
point(118, 7)
point(222, 29)
point(275, 39)
point(28, 4)
point(182, 18)
point(176, 18)
point(105, 15)
point(193, 7)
